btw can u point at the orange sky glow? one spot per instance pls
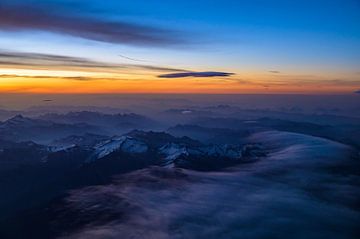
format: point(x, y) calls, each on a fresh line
point(138, 81)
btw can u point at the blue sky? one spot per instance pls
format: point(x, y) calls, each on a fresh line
point(296, 37)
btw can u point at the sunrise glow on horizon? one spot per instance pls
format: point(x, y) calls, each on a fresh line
point(61, 47)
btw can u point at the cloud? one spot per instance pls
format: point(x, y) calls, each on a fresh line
point(357, 92)
point(19, 17)
point(275, 72)
point(77, 78)
point(283, 193)
point(25, 59)
point(310, 80)
point(196, 74)
point(70, 78)
point(132, 59)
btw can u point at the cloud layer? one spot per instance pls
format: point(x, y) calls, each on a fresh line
point(196, 74)
point(19, 17)
point(33, 60)
point(291, 192)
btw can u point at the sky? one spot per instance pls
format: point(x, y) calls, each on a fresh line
point(203, 46)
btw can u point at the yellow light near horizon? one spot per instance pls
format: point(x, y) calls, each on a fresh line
point(144, 82)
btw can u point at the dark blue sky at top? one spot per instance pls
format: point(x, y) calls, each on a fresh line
point(333, 16)
point(326, 31)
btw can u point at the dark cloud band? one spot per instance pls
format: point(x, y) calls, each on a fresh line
point(196, 74)
point(17, 17)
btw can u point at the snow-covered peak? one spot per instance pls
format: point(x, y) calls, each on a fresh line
point(54, 149)
point(171, 152)
point(125, 144)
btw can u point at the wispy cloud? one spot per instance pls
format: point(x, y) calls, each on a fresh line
point(67, 78)
point(196, 74)
point(9, 59)
point(274, 72)
point(132, 59)
point(20, 17)
point(77, 78)
point(357, 92)
point(24, 58)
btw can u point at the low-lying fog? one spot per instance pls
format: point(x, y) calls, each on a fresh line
point(306, 188)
